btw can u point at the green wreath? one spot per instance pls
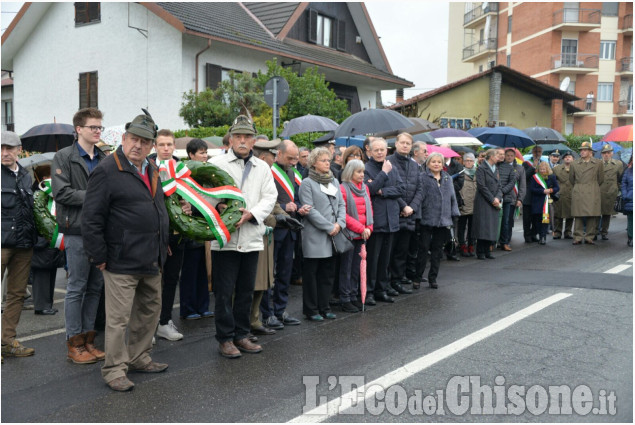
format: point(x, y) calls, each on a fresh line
point(44, 221)
point(196, 227)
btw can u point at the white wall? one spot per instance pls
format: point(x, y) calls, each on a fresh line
point(133, 71)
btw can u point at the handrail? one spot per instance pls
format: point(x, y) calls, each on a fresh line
point(574, 60)
point(570, 16)
point(478, 11)
point(481, 46)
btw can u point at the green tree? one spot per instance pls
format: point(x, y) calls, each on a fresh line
point(234, 96)
point(308, 94)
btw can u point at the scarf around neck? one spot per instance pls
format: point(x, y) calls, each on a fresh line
point(351, 208)
point(324, 179)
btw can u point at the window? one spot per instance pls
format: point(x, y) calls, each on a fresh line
point(481, 36)
point(607, 50)
point(87, 13)
point(602, 129)
point(443, 123)
point(326, 31)
point(568, 128)
point(324, 28)
point(569, 51)
point(467, 124)
point(480, 68)
point(605, 92)
point(509, 24)
point(7, 116)
point(509, 61)
point(88, 90)
point(609, 9)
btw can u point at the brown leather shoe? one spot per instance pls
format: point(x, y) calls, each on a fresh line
point(229, 350)
point(507, 248)
point(90, 346)
point(261, 330)
point(150, 367)
point(247, 346)
point(121, 384)
point(77, 351)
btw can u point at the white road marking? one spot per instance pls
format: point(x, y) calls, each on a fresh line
point(422, 363)
point(629, 261)
point(619, 268)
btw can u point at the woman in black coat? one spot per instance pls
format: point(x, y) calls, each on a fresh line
point(542, 186)
point(487, 202)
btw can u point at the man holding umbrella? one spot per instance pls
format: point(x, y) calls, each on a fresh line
point(586, 176)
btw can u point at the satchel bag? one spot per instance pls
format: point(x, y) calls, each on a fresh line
point(341, 241)
point(619, 203)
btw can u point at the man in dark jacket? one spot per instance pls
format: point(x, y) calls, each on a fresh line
point(125, 233)
point(69, 179)
point(385, 187)
point(409, 204)
point(18, 238)
point(508, 176)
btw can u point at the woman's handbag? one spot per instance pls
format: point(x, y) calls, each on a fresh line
point(619, 203)
point(341, 243)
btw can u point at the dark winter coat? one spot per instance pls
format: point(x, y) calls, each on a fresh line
point(408, 171)
point(485, 217)
point(627, 189)
point(508, 176)
point(454, 170)
point(18, 227)
point(69, 180)
point(530, 170)
point(385, 206)
point(439, 202)
point(124, 224)
point(538, 194)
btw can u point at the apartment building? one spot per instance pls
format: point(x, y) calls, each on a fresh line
point(585, 49)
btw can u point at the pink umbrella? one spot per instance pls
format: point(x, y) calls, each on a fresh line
point(446, 152)
point(362, 274)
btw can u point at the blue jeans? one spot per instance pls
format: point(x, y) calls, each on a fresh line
point(83, 289)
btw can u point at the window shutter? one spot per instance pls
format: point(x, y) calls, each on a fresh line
point(341, 35)
point(213, 75)
point(80, 13)
point(83, 91)
point(93, 11)
point(88, 89)
point(92, 87)
point(312, 35)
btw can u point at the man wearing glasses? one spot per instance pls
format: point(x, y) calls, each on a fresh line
point(70, 170)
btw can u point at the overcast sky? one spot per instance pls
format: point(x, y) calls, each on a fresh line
point(413, 33)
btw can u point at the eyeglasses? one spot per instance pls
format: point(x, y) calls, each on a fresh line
point(356, 155)
point(324, 160)
point(93, 128)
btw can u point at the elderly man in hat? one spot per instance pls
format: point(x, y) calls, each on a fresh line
point(69, 179)
point(586, 176)
point(610, 188)
point(234, 265)
point(562, 206)
point(125, 232)
point(18, 238)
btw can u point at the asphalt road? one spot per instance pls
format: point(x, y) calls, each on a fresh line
point(534, 318)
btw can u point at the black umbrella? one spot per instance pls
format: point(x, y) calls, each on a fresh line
point(547, 148)
point(48, 137)
point(544, 135)
point(372, 121)
point(421, 126)
point(308, 124)
point(421, 137)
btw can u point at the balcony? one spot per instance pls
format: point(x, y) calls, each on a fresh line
point(477, 15)
point(627, 24)
point(625, 66)
point(625, 109)
point(479, 50)
point(576, 19)
point(574, 63)
point(587, 108)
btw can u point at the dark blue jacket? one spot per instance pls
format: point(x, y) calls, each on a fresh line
point(385, 206)
point(409, 173)
point(439, 202)
point(538, 195)
point(627, 189)
point(18, 226)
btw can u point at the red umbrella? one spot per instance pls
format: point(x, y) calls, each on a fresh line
point(362, 274)
point(619, 134)
point(446, 152)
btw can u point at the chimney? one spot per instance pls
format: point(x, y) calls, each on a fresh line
point(399, 97)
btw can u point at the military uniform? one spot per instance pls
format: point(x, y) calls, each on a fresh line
point(609, 189)
point(586, 178)
point(562, 207)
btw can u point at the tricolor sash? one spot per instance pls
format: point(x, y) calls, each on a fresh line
point(297, 175)
point(178, 180)
point(283, 180)
point(57, 241)
point(545, 206)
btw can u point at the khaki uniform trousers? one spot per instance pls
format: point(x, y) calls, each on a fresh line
point(18, 261)
point(254, 316)
point(133, 303)
point(591, 229)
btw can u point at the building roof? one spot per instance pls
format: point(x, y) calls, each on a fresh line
point(510, 77)
point(273, 15)
point(243, 24)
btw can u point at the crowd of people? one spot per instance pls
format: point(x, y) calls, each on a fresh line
point(339, 222)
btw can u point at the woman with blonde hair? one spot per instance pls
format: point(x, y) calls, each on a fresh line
point(542, 186)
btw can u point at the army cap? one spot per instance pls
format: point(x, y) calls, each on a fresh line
point(586, 145)
point(607, 148)
point(242, 125)
point(9, 138)
point(555, 153)
point(268, 145)
point(567, 153)
point(143, 126)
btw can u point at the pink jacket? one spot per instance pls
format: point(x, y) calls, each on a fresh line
point(352, 224)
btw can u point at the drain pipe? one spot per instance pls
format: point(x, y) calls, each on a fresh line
point(209, 44)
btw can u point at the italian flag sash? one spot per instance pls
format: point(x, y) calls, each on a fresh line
point(517, 210)
point(545, 206)
point(178, 180)
point(297, 175)
point(57, 241)
point(283, 180)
